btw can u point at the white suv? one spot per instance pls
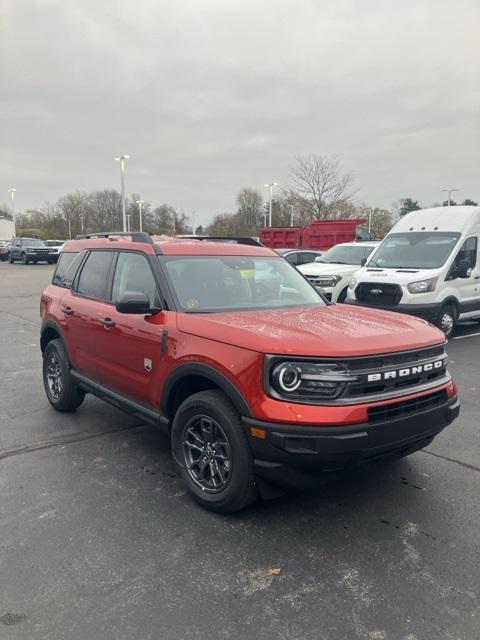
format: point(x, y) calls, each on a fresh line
point(332, 272)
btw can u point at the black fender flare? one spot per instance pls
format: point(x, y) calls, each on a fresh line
point(453, 301)
point(51, 324)
point(211, 374)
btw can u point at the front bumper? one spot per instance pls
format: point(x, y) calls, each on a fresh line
point(429, 311)
point(298, 456)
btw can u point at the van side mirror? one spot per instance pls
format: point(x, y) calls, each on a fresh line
point(463, 269)
point(363, 262)
point(135, 302)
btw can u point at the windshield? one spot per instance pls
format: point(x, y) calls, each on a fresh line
point(415, 250)
point(346, 254)
point(32, 242)
point(224, 283)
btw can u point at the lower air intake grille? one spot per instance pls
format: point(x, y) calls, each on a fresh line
point(387, 412)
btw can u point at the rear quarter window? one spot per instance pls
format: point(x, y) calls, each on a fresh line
point(67, 267)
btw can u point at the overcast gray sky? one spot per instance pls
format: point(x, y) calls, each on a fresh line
point(208, 96)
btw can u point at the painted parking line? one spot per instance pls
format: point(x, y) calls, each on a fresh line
point(470, 335)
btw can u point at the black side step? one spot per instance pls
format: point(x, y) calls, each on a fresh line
point(121, 402)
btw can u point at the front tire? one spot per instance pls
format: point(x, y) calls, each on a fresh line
point(11, 259)
point(447, 319)
point(24, 258)
point(62, 393)
point(211, 451)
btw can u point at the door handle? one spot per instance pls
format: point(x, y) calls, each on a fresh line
point(68, 311)
point(107, 322)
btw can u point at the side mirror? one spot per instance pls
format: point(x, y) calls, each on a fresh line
point(463, 270)
point(363, 262)
point(135, 302)
point(318, 259)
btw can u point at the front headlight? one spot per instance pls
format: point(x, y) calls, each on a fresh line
point(297, 380)
point(327, 281)
point(422, 286)
point(352, 284)
point(29, 250)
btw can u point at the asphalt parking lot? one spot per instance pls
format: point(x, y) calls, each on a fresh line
point(99, 540)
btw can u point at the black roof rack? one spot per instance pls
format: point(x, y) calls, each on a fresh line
point(229, 239)
point(137, 236)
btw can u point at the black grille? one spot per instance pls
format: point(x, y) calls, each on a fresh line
point(399, 362)
point(388, 412)
point(379, 293)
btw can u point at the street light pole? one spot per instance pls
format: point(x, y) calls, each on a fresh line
point(129, 215)
point(449, 191)
point(291, 215)
point(81, 218)
point(370, 220)
point(140, 203)
point(12, 192)
point(270, 186)
point(122, 159)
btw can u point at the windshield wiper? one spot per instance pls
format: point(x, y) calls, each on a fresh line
point(337, 262)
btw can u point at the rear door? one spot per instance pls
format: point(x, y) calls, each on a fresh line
point(90, 291)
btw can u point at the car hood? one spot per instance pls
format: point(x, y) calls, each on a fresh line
point(320, 269)
point(394, 276)
point(330, 331)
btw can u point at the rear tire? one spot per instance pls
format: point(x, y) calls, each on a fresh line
point(447, 319)
point(212, 454)
point(62, 393)
point(11, 259)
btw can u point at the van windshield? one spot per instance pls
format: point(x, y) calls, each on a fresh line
point(414, 250)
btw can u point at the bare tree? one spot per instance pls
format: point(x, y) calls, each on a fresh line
point(249, 206)
point(322, 182)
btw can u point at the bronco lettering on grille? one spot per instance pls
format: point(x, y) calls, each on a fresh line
point(408, 371)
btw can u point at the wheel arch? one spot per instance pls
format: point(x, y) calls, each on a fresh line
point(51, 331)
point(191, 378)
point(453, 302)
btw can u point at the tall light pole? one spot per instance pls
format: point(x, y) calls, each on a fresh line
point(370, 212)
point(140, 203)
point(122, 159)
point(129, 215)
point(12, 192)
point(449, 191)
point(291, 214)
point(81, 218)
point(193, 223)
point(270, 186)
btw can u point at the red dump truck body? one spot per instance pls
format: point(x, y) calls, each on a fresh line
point(321, 234)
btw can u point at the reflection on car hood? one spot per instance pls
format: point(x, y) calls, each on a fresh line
point(335, 331)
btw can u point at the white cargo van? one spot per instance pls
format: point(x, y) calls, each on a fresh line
point(426, 266)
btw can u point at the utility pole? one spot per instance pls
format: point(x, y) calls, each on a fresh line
point(122, 159)
point(449, 191)
point(12, 192)
point(270, 186)
point(140, 203)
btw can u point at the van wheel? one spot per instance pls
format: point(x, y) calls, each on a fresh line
point(11, 259)
point(211, 451)
point(447, 319)
point(24, 258)
point(62, 393)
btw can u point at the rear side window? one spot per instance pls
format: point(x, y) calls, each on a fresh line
point(93, 280)
point(67, 267)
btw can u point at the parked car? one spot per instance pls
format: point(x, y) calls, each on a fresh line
point(28, 250)
point(332, 272)
point(299, 256)
point(426, 266)
point(4, 250)
point(251, 391)
point(56, 247)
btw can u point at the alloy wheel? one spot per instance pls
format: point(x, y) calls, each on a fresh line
point(207, 453)
point(54, 376)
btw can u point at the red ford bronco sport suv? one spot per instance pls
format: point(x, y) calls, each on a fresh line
point(258, 379)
